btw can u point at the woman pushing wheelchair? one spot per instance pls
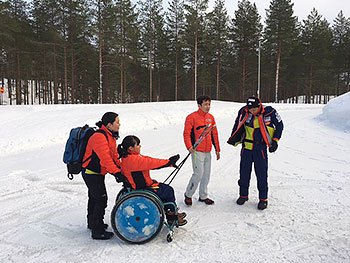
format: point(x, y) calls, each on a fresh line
point(136, 169)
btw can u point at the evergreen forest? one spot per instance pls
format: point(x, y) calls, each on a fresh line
point(123, 51)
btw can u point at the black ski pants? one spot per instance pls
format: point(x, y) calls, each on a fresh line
point(97, 201)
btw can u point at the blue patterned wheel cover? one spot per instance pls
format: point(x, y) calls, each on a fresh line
point(137, 219)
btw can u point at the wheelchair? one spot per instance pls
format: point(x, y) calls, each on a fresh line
point(138, 216)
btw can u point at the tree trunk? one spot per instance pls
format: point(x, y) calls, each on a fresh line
point(44, 81)
point(72, 81)
point(218, 66)
point(37, 88)
point(176, 76)
point(195, 64)
point(26, 93)
point(100, 86)
point(122, 81)
point(243, 80)
point(150, 77)
point(310, 85)
point(150, 83)
point(65, 96)
point(9, 84)
point(55, 80)
point(32, 91)
point(18, 81)
point(277, 72)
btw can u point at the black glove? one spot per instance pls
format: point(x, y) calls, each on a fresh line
point(119, 177)
point(273, 146)
point(173, 160)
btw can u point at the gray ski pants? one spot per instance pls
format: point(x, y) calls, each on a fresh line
point(201, 164)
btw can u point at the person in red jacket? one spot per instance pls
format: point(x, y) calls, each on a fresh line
point(196, 123)
point(136, 169)
point(102, 158)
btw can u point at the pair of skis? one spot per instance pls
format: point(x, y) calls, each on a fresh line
point(207, 129)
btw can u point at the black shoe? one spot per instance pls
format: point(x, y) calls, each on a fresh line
point(103, 236)
point(207, 201)
point(262, 204)
point(105, 226)
point(241, 200)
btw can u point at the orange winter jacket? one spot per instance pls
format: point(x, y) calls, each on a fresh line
point(102, 148)
point(135, 167)
point(194, 125)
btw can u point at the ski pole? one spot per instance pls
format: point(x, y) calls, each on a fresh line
point(207, 129)
point(177, 169)
point(194, 146)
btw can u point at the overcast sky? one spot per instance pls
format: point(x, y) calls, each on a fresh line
point(329, 9)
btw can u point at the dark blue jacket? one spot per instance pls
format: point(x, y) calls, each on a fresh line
point(271, 128)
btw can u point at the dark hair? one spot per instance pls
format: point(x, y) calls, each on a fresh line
point(108, 117)
point(203, 98)
point(130, 140)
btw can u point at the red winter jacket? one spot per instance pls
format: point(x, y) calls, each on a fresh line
point(194, 125)
point(135, 167)
point(103, 152)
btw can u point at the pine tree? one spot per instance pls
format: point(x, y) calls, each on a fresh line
point(218, 34)
point(72, 21)
point(16, 33)
point(175, 21)
point(47, 51)
point(247, 29)
point(195, 36)
point(317, 41)
point(126, 42)
point(341, 44)
point(152, 37)
point(280, 36)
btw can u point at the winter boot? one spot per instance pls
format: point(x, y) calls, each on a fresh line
point(262, 204)
point(172, 218)
point(188, 200)
point(207, 201)
point(182, 221)
point(181, 215)
point(102, 236)
point(241, 200)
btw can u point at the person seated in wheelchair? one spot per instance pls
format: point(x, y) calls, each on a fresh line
point(136, 170)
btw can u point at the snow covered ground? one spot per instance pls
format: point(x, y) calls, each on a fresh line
point(308, 218)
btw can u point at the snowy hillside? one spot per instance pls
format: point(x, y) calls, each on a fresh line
point(308, 218)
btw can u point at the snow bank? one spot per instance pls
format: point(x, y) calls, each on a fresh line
point(337, 113)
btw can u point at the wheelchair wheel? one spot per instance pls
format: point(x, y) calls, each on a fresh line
point(137, 217)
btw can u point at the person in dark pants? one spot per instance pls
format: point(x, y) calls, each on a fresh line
point(258, 128)
point(101, 158)
point(136, 169)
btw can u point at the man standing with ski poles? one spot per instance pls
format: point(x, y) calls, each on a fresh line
point(200, 133)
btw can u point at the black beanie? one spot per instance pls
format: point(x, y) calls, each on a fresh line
point(253, 102)
point(108, 117)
